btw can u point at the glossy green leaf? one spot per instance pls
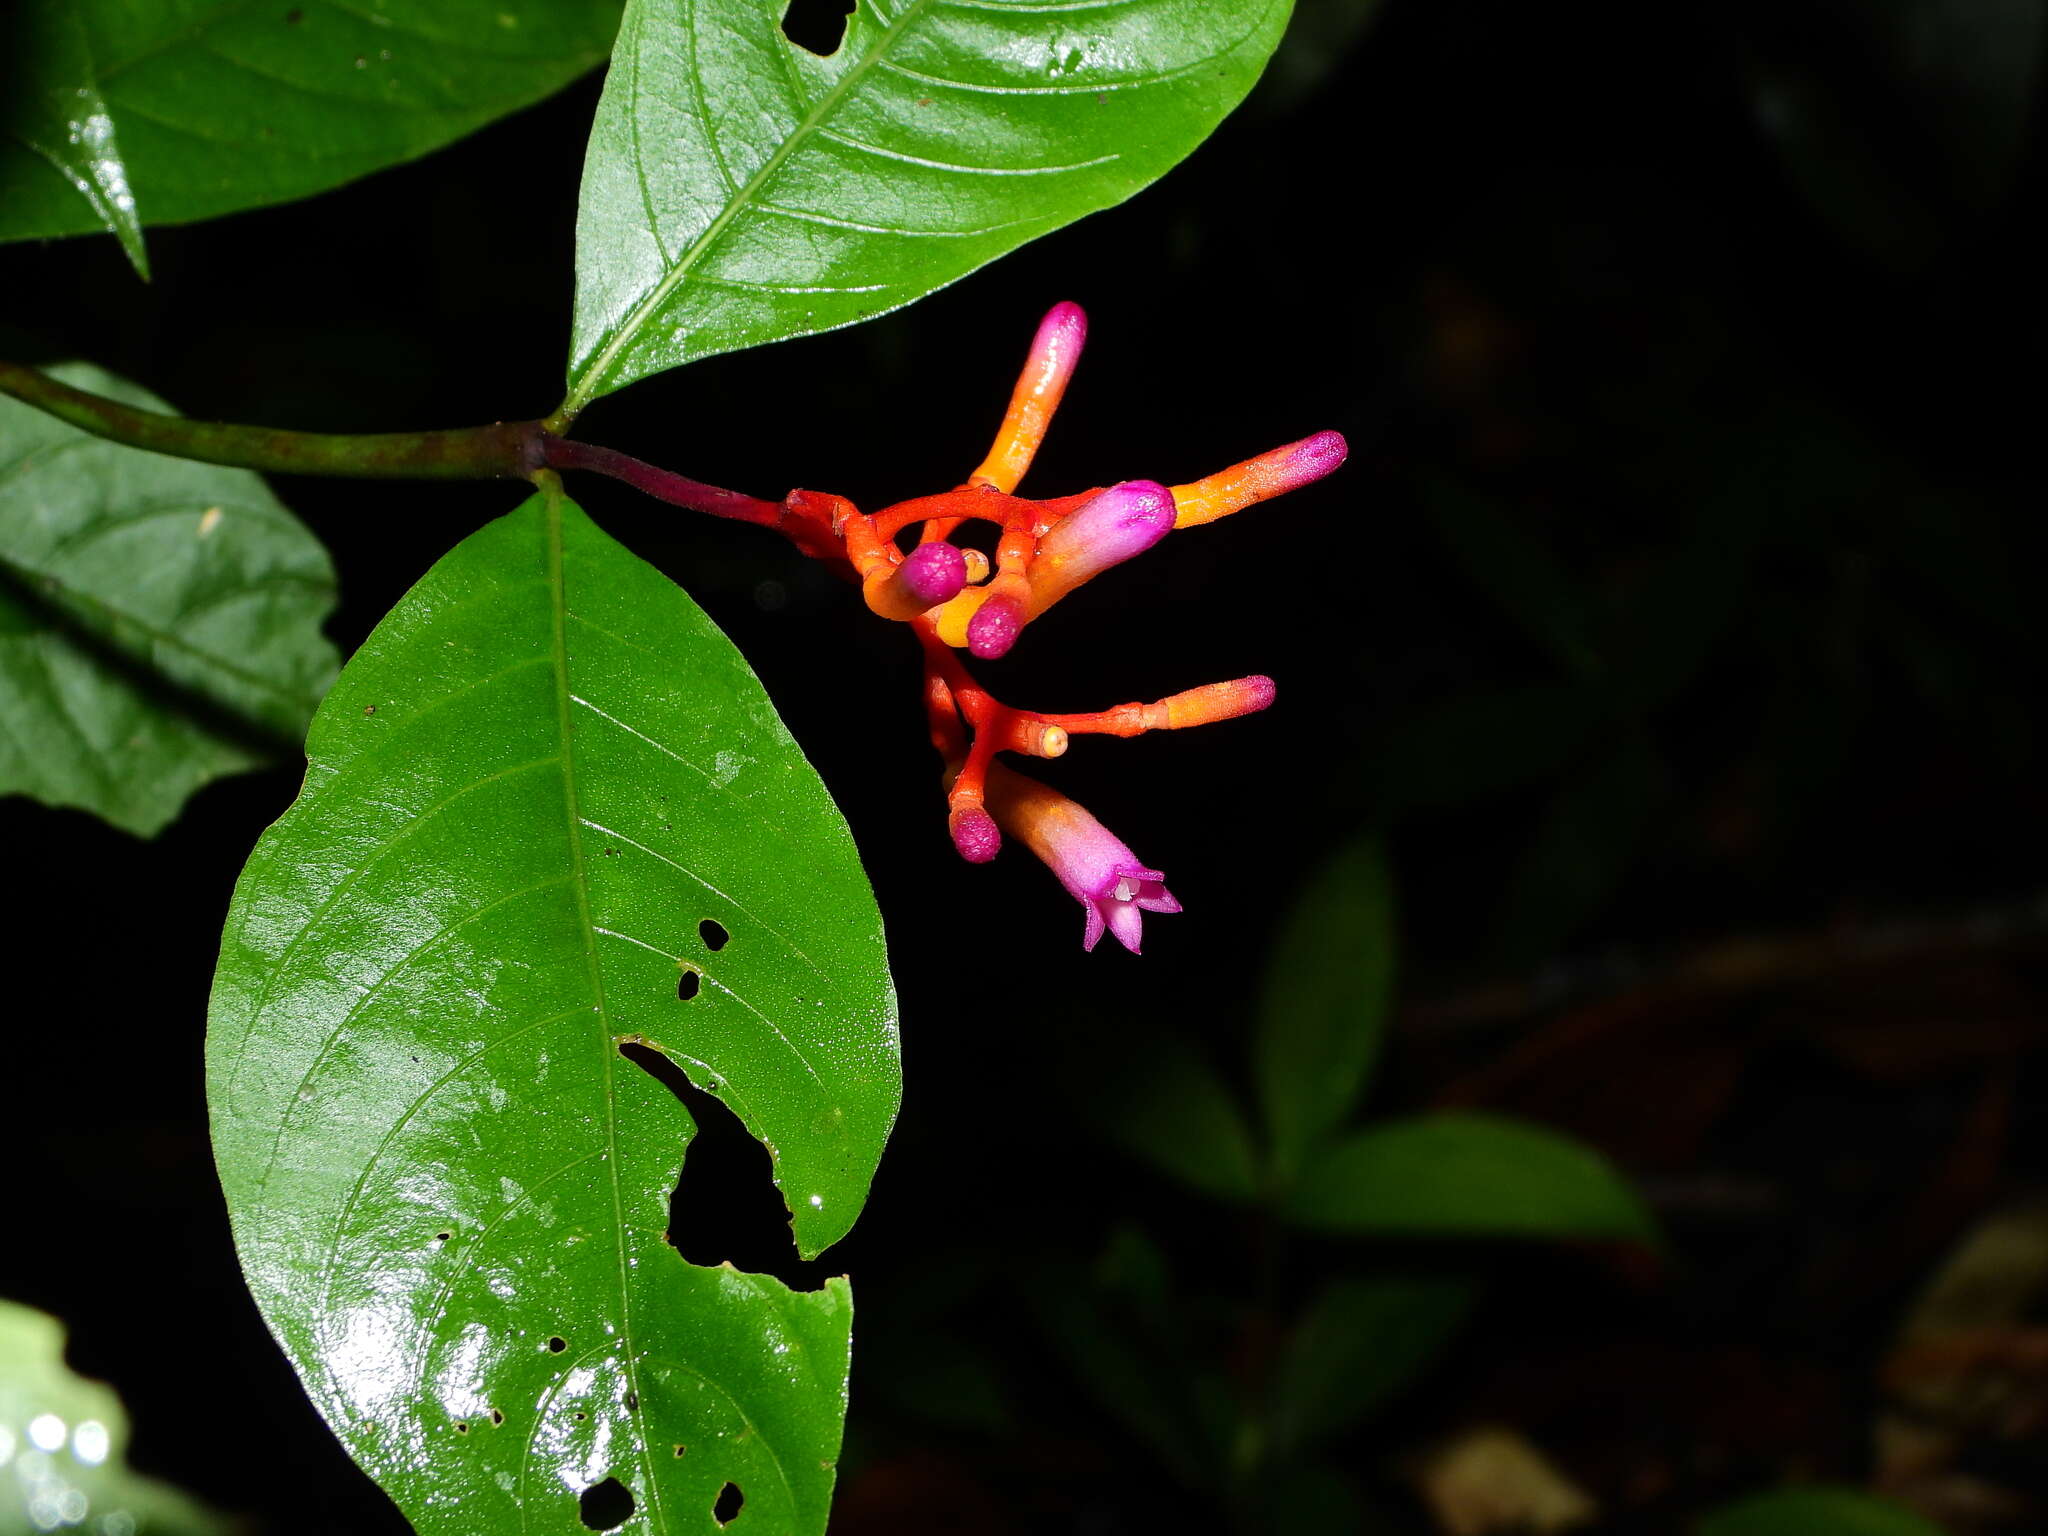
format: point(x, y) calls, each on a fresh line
point(1815, 1512)
point(221, 107)
point(1467, 1175)
point(1324, 1009)
point(63, 1447)
point(529, 795)
point(740, 189)
point(159, 619)
point(50, 89)
point(1359, 1343)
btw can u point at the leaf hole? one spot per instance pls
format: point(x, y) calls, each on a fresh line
point(726, 1208)
point(579, 1415)
point(680, 1449)
point(461, 1427)
point(730, 1502)
point(713, 933)
point(606, 1505)
point(442, 1237)
point(817, 26)
point(557, 1344)
point(687, 985)
point(497, 1416)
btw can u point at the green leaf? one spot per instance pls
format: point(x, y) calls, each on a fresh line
point(54, 107)
point(1159, 1098)
point(159, 619)
point(1325, 1003)
point(222, 107)
point(1581, 849)
point(1467, 1175)
point(1815, 1512)
point(529, 795)
point(63, 1445)
point(741, 190)
point(1357, 1346)
point(1508, 562)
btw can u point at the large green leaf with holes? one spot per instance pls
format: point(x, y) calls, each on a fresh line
point(530, 796)
point(218, 105)
point(740, 189)
point(159, 620)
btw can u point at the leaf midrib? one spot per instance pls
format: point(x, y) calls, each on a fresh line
point(582, 387)
point(558, 615)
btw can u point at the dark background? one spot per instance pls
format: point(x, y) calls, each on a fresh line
point(1674, 621)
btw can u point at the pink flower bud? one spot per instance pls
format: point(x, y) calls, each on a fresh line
point(1123, 521)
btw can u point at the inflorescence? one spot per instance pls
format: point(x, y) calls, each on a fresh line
point(957, 599)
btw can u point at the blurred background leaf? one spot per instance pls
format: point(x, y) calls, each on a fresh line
point(1360, 1342)
point(1324, 1006)
point(1815, 1512)
point(64, 1448)
point(1467, 1175)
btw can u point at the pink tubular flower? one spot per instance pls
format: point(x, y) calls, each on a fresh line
point(1097, 869)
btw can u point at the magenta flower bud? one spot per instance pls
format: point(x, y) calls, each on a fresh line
point(995, 626)
point(1097, 869)
point(976, 837)
point(933, 573)
point(1123, 521)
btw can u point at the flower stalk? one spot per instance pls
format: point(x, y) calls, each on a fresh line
point(953, 597)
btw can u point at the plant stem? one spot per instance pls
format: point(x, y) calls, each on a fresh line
point(510, 450)
point(664, 485)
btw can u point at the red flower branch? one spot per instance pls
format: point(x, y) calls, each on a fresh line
point(956, 599)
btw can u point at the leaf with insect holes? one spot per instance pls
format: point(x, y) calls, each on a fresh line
point(739, 189)
point(549, 813)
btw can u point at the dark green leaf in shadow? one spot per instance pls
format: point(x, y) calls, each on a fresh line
point(1815, 1512)
point(740, 189)
point(1158, 1097)
point(1118, 1330)
point(1359, 1344)
point(223, 107)
point(1506, 561)
point(1306, 1501)
point(64, 1445)
point(1900, 120)
point(1583, 845)
point(1325, 1003)
point(50, 93)
point(549, 814)
point(159, 619)
point(1318, 41)
point(1480, 744)
point(1467, 1175)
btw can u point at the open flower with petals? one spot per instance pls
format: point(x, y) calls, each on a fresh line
point(1094, 865)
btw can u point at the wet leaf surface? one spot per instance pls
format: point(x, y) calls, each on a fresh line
point(939, 135)
point(531, 793)
point(223, 107)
